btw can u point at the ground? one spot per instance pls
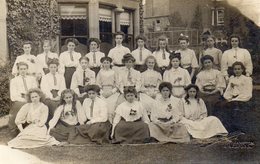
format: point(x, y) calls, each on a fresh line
point(195, 152)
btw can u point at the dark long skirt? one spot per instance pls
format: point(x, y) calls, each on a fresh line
point(63, 132)
point(52, 105)
point(131, 132)
point(233, 115)
point(97, 132)
point(210, 101)
point(68, 75)
point(16, 106)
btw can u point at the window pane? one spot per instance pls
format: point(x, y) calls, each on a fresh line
point(80, 27)
point(67, 27)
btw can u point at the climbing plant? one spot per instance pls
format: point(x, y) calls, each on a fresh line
point(31, 20)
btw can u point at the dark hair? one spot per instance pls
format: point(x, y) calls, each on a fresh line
point(156, 67)
point(235, 36)
point(73, 40)
point(128, 57)
point(242, 66)
point(183, 37)
point(120, 33)
point(167, 85)
point(35, 90)
point(20, 64)
point(74, 100)
point(83, 58)
point(53, 61)
point(141, 37)
point(106, 58)
point(206, 57)
point(46, 41)
point(94, 88)
point(187, 88)
point(94, 40)
point(27, 42)
point(162, 38)
point(173, 55)
point(129, 89)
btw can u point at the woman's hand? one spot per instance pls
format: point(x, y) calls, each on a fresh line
point(48, 131)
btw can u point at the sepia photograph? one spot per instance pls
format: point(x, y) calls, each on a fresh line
point(129, 81)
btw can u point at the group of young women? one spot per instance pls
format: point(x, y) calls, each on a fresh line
point(127, 97)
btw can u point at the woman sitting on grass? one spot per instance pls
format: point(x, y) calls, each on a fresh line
point(130, 124)
point(66, 116)
point(31, 120)
point(196, 120)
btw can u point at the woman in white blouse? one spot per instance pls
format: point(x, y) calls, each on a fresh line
point(130, 124)
point(97, 127)
point(235, 54)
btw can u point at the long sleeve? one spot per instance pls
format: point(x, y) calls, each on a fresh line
point(224, 64)
point(199, 82)
point(117, 117)
point(246, 90)
point(62, 85)
point(56, 117)
point(74, 83)
point(221, 83)
point(44, 115)
point(203, 109)
point(248, 62)
point(228, 93)
point(194, 61)
point(80, 113)
point(166, 76)
point(14, 94)
point(187, 78)
point(138, 83)
point(45, 87)
point(22, 114)
point(145, 117)
point(102, 111)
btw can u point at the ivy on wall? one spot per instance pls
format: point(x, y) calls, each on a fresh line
point(31, 20)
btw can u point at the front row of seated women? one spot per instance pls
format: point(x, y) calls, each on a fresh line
point(172, 119)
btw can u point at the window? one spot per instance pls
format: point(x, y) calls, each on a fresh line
point(220, 16)
point(126, 25)
point(74, 24)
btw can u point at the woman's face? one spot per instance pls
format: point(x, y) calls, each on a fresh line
point(183, 44)
point(71, 46)
point(130, 97)
point(23, 69)
point(129, 64)
point(68, 98)
point(165, 92)
point(92, 94)
point(210, 42)
point(150, 63)
point(53, 68)
point(46, 47)
point(35, 98)
point(192, 92)
point(119, 39)
point(175, 63)
point(84, 64)
point(106, 64)
point(140, 43)
point(207, 64)
point(234, 42)
point(238, 70)
point(162, 44)
point(27, 48)
point(93, 46)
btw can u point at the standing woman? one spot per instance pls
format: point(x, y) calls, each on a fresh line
point(44, 57)
point(211, 83)
point(165, 117)
point(162, 54)
point(131, 121)
point(195, 117)
point(177, 76)
point(94, 55)
point(69, 61)
point(34, 114)
point(235, 54)
point(212, 51)
point(140, 53)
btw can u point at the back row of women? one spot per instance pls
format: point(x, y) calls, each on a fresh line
point(85, 96)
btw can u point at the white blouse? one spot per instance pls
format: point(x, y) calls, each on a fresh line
point(194, 110)
point(239, 89)
point(99, 111)
point(48, 84)
point(42, 58)
point(97, 62)
point(130, 112)
point(236, 54)
point(151, 78)
point(188, 58)
point(106, 79)
point(65, 60)
point(159, 58)
point(117, 53)
point(136, 54)
point(17, 87)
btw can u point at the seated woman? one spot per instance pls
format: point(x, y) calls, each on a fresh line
point(52, 84)
point(151, 77)
point(19, 86)
point(198, 124)
point(237, 95)
point(97, 127)
point(165, 117)
point(131, 121)
point(66, 116)
point(211, 83)
point(34, 114)
point(106, 79)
